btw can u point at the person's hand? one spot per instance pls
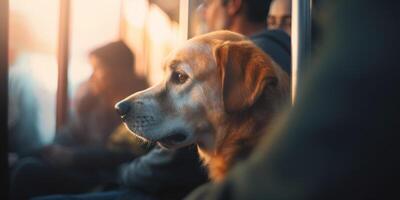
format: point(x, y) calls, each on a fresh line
point(58, 155)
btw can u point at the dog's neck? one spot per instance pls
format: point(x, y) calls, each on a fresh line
point(238, 138)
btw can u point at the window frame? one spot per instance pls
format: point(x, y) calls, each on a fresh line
point(301, 41)
point(4, 21)
point(62, 59)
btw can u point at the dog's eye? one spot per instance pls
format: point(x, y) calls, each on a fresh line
point(179, 77)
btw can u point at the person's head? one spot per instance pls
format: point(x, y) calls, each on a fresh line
point(236, 15)
point(280, 15)
point(110, 63)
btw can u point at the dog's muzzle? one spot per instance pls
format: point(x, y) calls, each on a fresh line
point(135, 116)
point(144, 121)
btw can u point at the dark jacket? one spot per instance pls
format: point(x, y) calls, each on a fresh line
point(275, 43)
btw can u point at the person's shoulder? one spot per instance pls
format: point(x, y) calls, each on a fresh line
point(270, 33)
point(266, 36)
point(277, 44)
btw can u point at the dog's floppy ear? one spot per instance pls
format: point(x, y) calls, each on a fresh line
point(245, 70)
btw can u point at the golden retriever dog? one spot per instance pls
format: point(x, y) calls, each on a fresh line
point(220, 92)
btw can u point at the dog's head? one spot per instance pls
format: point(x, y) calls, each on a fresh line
point(208, 79)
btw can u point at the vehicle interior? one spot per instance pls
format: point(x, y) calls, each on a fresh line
point(63, 82)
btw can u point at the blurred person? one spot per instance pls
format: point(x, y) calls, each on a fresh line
point(23, 131)
point(23, 112)
point(80, 158)
point(280, 15)
point(248, 17)
point(93, 117)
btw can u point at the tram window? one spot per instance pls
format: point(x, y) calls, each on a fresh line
point(92, 23)
point(33, 27)
point(151, 29)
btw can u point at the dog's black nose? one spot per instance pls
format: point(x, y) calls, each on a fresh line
point(122, 108)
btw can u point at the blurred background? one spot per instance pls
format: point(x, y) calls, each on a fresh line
point(44, 34)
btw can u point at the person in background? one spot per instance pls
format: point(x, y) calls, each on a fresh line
point(23, 113)
point(24, 133)
point(93, 117)
point(80, 158)
point(248, 17)
point(280, 15)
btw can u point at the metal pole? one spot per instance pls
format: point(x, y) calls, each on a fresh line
point(4, 9)
point(183, 20)
point(301, 41)
point(63, 55)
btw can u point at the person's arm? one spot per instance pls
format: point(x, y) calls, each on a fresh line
point(163, 171)
point(84, 158)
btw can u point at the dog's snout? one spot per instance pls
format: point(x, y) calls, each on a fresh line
point(122, 108)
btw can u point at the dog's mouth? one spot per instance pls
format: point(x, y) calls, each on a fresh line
point(172, 140)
